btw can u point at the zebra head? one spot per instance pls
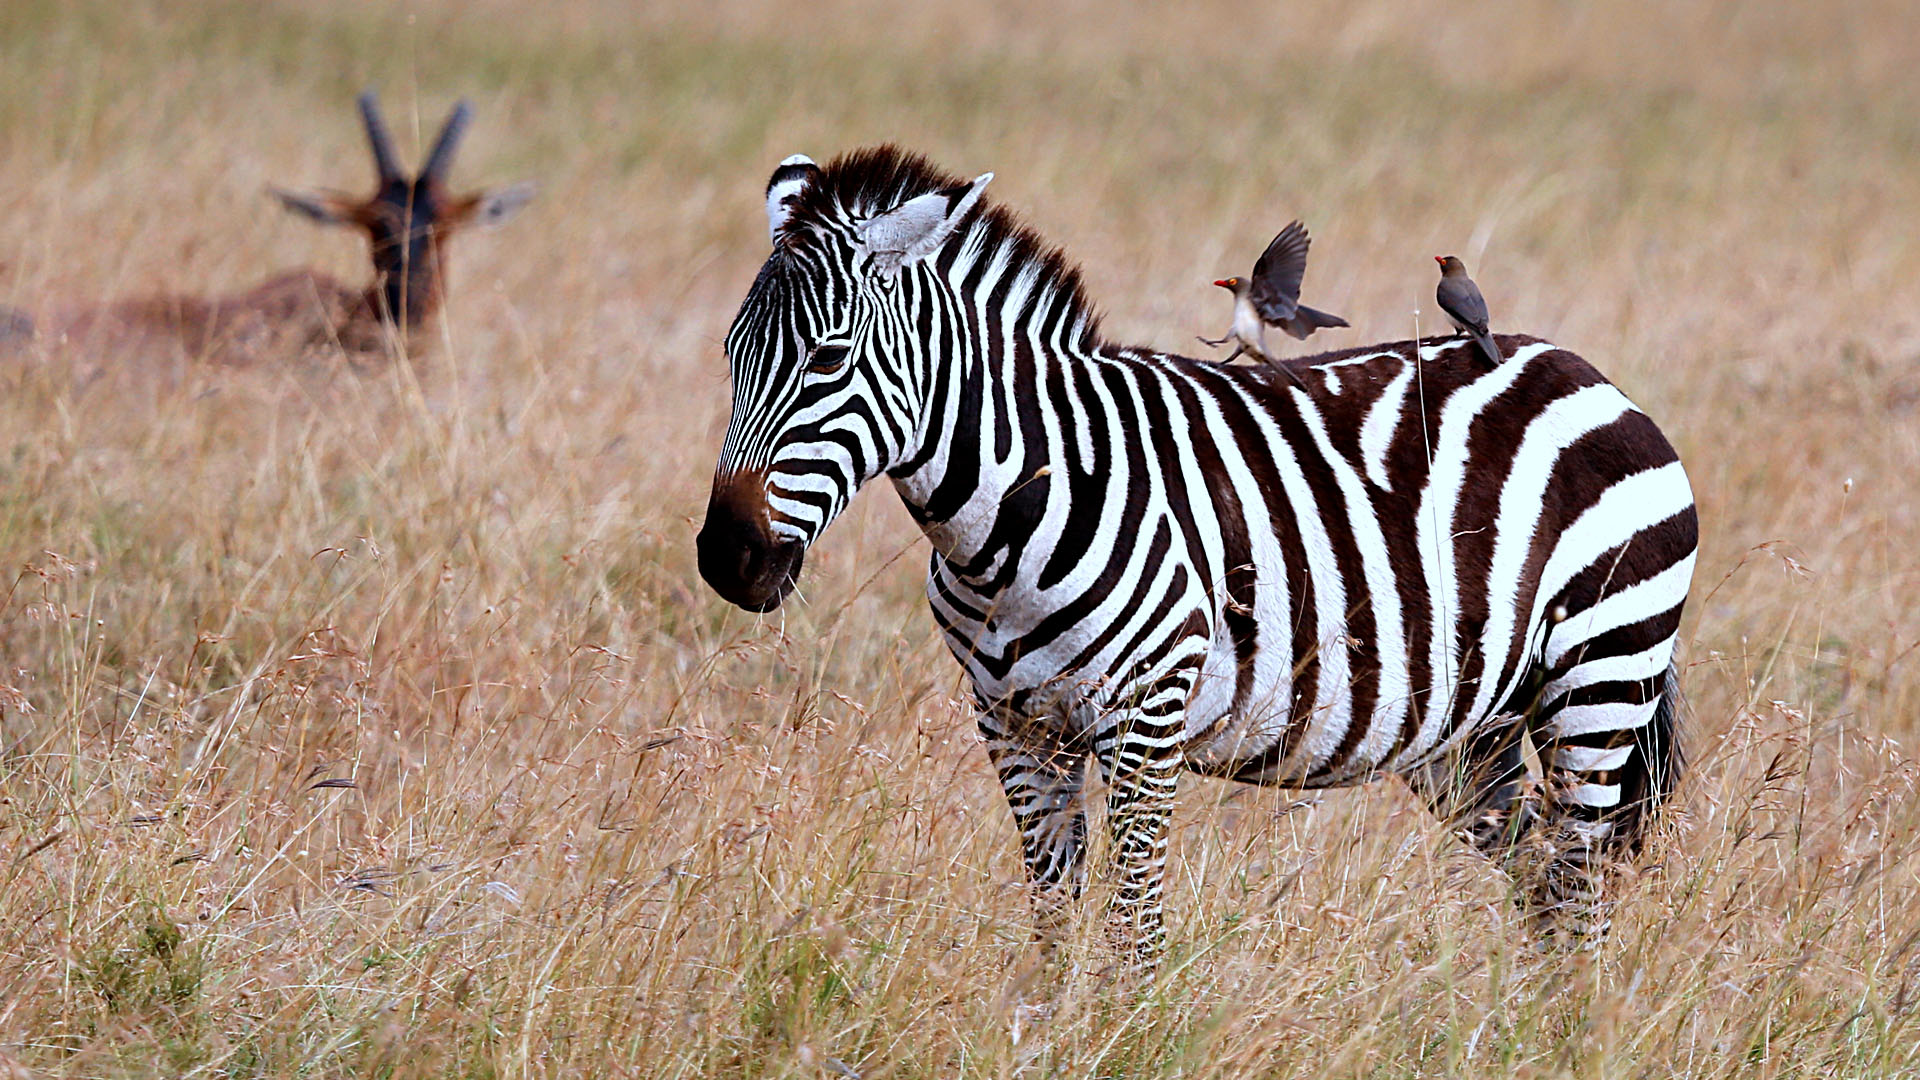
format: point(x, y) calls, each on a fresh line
point(826, 359)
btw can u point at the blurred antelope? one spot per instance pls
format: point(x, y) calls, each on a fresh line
point(408, 221)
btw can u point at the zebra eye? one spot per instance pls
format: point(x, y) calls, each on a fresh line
point(826, 359)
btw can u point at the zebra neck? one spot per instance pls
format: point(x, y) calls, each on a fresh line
point(979, 473)
point(980, 479)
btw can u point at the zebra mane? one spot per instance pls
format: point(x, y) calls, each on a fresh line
point(872, 179)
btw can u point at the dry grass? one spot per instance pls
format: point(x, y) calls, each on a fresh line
point(598, 823)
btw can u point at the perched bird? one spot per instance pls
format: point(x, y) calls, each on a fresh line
point(1271, 297)
point(1460, 298)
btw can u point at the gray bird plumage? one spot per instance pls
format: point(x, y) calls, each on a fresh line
point(1271, 297)
point(1460, 299)
point(1275, 286)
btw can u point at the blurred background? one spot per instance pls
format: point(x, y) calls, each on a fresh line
point(586, 819)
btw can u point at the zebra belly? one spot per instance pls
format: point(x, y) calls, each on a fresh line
point(1262, 743)
point(1269, 738)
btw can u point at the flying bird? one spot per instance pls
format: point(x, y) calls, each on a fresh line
point(1271, 297)
point(1460, 298)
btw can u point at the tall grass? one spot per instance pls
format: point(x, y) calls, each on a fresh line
point(376, 722)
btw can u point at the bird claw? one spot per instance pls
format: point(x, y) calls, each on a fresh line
point(1288, 372)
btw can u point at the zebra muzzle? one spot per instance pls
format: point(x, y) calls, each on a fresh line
point(740, 557)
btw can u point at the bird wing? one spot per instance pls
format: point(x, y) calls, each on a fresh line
point(1460, 298)
point(1275, 289)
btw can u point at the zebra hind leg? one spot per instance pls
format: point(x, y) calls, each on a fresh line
point(1612, 755)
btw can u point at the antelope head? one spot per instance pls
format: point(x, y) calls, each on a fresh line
point(409, 218)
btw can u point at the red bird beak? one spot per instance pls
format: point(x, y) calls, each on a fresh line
point(1224, 283)
point(1441, 259)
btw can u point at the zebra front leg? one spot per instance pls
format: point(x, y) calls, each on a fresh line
point(1139, 811)
point(1141, 757)
point(1044, 789)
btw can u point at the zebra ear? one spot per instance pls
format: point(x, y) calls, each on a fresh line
point(788, 181)
point(918, 227)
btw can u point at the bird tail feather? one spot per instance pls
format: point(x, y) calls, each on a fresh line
point(1489, 347)
point(1320, 319)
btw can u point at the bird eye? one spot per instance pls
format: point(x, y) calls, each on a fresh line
point(826, 359)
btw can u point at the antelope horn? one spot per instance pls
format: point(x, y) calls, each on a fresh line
point(449, 141)
point(384, 159)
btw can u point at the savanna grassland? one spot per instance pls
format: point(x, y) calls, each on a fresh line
point(373, 721)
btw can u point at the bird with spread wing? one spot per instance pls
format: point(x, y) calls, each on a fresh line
point(1271, 297)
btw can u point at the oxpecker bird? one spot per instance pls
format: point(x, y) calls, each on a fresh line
point(1460, 298)
point(1271, 297)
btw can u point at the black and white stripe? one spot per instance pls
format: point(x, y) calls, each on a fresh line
point(1165, 565)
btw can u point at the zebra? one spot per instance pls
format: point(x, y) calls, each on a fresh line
point(1409, 565)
